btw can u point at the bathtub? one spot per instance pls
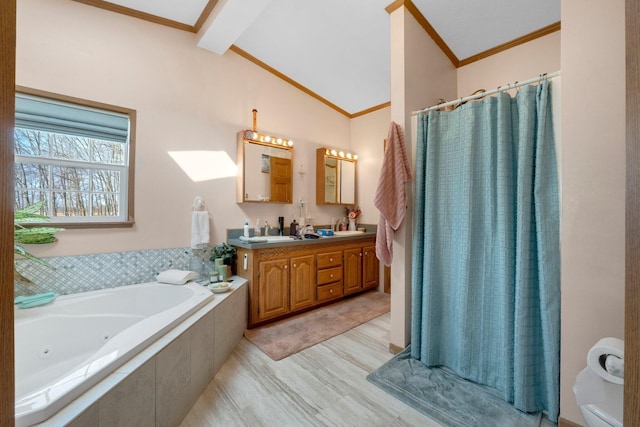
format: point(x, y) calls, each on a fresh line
point(62, 349)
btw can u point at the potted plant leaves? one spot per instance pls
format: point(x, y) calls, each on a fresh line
point(227, 253)
point(30, 235)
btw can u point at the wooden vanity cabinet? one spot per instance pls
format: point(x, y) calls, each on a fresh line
point(370, 267)
point(273, 299)
point(329, 280)
point(352, 270)
point(303, 291)
point(361, 269)
point(290, 279)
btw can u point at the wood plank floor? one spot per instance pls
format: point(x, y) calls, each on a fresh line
point(324, 385)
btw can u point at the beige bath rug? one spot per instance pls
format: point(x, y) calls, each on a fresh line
point(289, 336)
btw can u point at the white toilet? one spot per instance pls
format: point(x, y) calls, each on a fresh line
point(600, 400)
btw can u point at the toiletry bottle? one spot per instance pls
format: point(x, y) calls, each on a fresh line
point(257, 231)
point(246, 228)
point(267, 228)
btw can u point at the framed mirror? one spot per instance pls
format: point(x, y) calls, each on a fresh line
point(264, 168)
point(335, 177)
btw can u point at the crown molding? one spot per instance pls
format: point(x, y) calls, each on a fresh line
point(426, 26)
point(408, 4)
point(511, 44)
point(205, 14)
point(370, 110)
point(137, 14)
point(287, 79)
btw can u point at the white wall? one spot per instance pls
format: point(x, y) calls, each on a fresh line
point(420, 73)
point(519, 63)
point(368, 133)
point(593, 168)
point(187, 99)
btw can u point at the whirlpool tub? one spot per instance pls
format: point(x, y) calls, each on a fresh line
point(64, 348)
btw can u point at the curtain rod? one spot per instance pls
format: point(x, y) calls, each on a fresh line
point(487, 93)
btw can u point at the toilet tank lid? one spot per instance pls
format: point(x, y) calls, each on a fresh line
point(602, 398)
point(607, 412)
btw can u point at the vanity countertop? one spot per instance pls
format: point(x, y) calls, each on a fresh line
point(297, 242)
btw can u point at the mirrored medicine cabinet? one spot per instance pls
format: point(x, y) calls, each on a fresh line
point(264, 168)
point(335, 177)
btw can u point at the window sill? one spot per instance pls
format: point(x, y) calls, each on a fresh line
point(80, 225)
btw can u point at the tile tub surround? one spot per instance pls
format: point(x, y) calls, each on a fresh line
point(158, 386)
point(82, 273)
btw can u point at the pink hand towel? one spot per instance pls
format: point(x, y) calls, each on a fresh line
point(391, 198)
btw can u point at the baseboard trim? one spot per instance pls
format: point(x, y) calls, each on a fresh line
point(395, 349)
point(562, 422)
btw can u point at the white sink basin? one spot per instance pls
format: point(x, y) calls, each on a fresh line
point(265, 239)
point(271, 239)
point(347, 233)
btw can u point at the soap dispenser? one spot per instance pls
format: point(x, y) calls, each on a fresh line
point(246, 228)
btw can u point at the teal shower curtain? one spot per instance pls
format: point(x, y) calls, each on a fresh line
point(486, 267)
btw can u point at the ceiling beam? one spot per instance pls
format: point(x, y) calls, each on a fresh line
point(227, 21)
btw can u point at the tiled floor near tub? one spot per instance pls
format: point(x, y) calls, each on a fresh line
point(324, 385)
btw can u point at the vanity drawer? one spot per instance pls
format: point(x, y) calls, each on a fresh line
point(329, 275)
point(329, 259)
point(328, 292)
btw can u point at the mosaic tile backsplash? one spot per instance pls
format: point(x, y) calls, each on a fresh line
point(73, 274)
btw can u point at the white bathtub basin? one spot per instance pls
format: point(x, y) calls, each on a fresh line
point(64, 348)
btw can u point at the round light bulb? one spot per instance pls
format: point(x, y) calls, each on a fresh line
point(290, 143)
point(348, 155)
point(341, 154)
point(255, 135)
point(355, 157)
point(334, 153)
point(267, 138)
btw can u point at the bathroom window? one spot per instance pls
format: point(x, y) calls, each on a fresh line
point(76, 156)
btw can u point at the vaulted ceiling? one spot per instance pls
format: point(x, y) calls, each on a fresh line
point(337, 50)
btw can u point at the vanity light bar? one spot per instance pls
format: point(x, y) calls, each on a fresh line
point(340, 154)
point(253, 136)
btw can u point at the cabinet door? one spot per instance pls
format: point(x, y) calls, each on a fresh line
point(370, 267)
point(274, 289)
point(303, 271)
point(352, 270)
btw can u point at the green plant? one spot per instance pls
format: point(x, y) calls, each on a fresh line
point(224, 251)
point(36, 235)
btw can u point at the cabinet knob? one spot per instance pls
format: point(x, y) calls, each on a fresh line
point(331, 275)
point(285, 267)
point(294, 265)
point(330, 291)
point(361, 254)
point(331, 259)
